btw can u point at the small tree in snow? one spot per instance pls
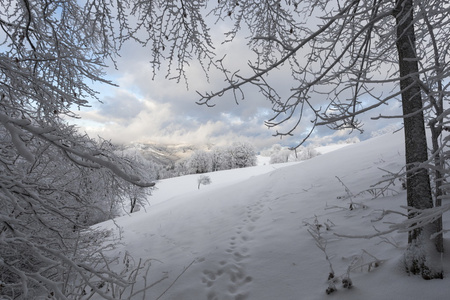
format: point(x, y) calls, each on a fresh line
point(203, 179)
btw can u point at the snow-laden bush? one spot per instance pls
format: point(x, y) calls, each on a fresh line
point(203, 180)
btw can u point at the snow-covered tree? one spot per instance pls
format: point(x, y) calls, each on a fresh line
point(242, 154)
point(225, 158)
point(134, 196)
point(180, 168)
point(54, 182)
point(277, 153)
point(304, 153)
point(279, 157)
point(200, 162)
point(237, 155)
point(218, 159)
point(48, 204)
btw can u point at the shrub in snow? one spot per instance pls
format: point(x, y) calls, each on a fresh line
point(203, 179)
point(358, 262)
point(347, 283)
point(330, 289)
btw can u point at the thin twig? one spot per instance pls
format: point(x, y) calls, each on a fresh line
point(185, 269)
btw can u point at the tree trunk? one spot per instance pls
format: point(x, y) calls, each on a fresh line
point(418, 182)
point(439, 163)
point(133, 204)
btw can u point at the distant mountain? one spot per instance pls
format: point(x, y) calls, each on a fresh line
point(166, 154)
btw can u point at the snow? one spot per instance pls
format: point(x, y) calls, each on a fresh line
point(262, 160)
point(330, 148)
point(245, 236)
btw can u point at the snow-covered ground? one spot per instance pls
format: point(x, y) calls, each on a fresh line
point(245, 236)
point(330, 148)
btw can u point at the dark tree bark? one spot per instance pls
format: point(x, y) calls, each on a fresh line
point(133, 204)
point(418, 181)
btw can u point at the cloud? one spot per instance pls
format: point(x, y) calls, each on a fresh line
point(147, 120)
point(160, 110)
point(122, 107)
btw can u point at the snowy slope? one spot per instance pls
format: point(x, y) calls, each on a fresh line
point(245, 236)
point(330, 148)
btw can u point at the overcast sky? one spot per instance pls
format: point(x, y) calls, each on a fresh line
point(162, 111)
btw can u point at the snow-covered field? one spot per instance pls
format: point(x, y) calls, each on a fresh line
point(245, 236)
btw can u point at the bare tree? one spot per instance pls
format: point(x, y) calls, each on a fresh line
point(54, 181)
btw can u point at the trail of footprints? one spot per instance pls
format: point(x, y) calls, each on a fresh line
point(229, 280)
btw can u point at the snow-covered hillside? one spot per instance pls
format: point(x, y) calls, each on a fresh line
point(249, 234)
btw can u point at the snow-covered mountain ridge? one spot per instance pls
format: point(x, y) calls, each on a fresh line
point(165, 154)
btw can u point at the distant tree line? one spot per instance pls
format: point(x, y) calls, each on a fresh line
point(234, 156)
point(237, 155)
point(282, 154)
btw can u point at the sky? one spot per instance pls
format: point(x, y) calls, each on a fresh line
point(158, 110)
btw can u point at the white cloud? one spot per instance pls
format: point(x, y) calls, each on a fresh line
point(163, 110)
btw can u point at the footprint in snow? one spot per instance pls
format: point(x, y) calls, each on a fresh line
point(229, 280)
